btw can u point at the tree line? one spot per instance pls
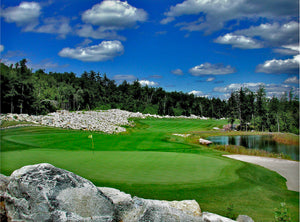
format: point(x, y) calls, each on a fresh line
point(25, 91)
point(257, 112)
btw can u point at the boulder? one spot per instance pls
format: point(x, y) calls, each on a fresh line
point(122, 202)
point(4, 180)
point(45, 193)
point(210, 217)
point(204, 142)
point(138, 209)
point(244, 218)
point(155, 210)
point(3, 186)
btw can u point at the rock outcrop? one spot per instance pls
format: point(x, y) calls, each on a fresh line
point(136, 209)
point(108, 121)
point(43, 192)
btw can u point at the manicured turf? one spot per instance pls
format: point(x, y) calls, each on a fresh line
point(152, 163)
point(132, 167)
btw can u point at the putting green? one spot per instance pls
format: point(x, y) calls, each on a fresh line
point(130, 167)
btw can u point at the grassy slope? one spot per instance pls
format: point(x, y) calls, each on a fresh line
point(171, 170)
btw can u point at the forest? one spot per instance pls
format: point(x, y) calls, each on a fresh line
point(25, 91)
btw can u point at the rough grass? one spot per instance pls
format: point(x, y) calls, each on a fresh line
point(148, 161)
point(234, 149)
point(286, 138)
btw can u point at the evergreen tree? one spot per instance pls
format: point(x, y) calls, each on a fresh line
point(260, 109)
point(23, 91)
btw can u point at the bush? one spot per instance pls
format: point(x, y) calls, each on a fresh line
point(282, 213)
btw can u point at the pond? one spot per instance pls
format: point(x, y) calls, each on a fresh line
point(263, 142)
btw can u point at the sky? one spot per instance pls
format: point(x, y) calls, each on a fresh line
point(204, 47)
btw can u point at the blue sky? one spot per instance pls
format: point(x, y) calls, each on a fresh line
point(204, 47)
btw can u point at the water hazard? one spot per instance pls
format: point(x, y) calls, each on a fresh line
point(263, 142)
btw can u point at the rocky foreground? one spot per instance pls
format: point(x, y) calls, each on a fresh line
point(108, 121)
point(43, 192)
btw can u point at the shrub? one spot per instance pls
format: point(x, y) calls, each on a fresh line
point(282, 213)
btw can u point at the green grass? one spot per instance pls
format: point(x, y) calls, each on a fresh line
point(5, 123)
point(131, 167)
point(150, 162)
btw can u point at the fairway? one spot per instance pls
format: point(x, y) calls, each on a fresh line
point(149, 162)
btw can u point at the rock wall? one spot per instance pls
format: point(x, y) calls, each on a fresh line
point(43, 192)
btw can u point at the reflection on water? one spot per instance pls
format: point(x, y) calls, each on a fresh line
point(264, 142)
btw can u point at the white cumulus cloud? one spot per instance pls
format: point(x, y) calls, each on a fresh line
point(214, 14)
point(197, 93)
point(292, 49)
point(211, 69)
point(167, 20)
point(274, 34)
point(148, 83)
point(26, 14)
point(292, 80)
point(101, 32)
point(178, 72)
point(279, 66)
point(271, 89)
point(114, 14)
point(53, 25)
point(284, 37)
point(210, 79)
point(1, 48)
point(236, 86)
point(239, 41)
point(106, 50)
point(103, 20)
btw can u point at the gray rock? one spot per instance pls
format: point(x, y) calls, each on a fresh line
point(123, 202)
point(44, 193)
point(244, 218)
point(3, 186)
point(138, 209)
point(210, 217)
point(4, 180)
point(155, 211)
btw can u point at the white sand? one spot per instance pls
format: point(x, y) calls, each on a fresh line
point(287, 168)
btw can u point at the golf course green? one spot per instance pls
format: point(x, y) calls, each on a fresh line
point(149, 162)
